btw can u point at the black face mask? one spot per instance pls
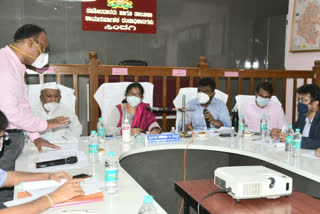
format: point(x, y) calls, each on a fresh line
point(303, 108)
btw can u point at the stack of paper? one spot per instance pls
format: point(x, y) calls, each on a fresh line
point(36, 189)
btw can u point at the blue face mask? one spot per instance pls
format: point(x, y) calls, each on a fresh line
point(133, 100)
point(303, 108)
point(262, 102)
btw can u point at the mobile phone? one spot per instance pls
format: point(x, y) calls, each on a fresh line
point(82, 175)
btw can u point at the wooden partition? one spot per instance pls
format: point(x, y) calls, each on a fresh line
point(167, 85)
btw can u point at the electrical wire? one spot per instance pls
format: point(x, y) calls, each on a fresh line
point(184, 159)
point(225, 190)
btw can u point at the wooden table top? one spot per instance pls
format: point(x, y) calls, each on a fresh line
point(223, 203)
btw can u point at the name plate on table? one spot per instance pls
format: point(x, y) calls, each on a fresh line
point(160, 139)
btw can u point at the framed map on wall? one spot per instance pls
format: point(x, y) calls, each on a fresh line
point(305, 33)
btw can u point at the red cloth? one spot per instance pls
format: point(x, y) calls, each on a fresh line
point(142, 119)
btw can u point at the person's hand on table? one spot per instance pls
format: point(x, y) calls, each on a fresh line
point(136, 131)
point(57, 122)
point(275, 133)
point(40, 142)
point(60, 175)
point(155, 131)
point(67, 191)
point(283, 137)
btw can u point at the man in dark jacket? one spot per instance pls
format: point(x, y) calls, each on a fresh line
point(308, 118)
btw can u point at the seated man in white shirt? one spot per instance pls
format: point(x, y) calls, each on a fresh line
point(50, 106)
point(67, 191)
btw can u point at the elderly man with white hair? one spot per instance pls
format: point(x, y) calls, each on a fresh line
point(51, 107)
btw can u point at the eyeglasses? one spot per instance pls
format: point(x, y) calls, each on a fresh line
point(303, 100)
point(42, 47)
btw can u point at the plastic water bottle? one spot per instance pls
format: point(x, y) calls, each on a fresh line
point(147, 206)
point(126, 131)
point(173, 130)
point(93, 147)
point(296, 147)
point(289, 139)
point(264, 126)
point(101, 131)
point(111, 174)
point(242, 126)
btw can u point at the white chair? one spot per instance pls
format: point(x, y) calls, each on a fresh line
point(241, 99)
point(109, 95)
point(67, 95)
point(191, 93)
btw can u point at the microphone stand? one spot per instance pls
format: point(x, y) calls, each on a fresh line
point(184, 133)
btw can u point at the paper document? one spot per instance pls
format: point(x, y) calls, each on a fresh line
point(89, 186)
point(63, 146)
point(310, 155)
point(59, 139)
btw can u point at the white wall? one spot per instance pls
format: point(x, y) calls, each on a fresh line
point(295, 61)
point(300, 60)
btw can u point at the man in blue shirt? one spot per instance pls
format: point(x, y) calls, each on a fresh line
point(209, 112)
point(68, 190)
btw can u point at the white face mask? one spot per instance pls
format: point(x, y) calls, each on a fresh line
point(41, 60)
point(133, 100)
point(203, 98)
point(51, 107)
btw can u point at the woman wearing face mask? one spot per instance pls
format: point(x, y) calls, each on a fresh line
point(134, 109)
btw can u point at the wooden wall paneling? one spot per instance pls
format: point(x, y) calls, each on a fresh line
point(76, 92)
point(164, 101)
point(294, 100)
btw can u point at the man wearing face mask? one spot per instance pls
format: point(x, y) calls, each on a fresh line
point(308, 118)
point(210, 112)
point(254, 109)
point(29, 47)
point(50, 107)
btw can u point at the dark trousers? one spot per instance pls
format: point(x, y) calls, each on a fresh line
point(7, 162)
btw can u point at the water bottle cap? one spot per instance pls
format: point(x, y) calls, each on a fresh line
point(100, 119)
point(264, 115)
point(241, 115)
point(290, 126)
point(111, 153)
point(93, 132)
point(148, 199)
point(297, 130)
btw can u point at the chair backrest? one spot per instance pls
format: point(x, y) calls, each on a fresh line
point(191, 93)
point(109, 95)
point(241, 99)
point(67, 95)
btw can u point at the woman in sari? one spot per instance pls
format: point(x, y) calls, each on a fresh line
point(134, 109)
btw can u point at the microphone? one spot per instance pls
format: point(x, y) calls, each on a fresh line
point(69, 160)
point(149, 108)
point(207, 120)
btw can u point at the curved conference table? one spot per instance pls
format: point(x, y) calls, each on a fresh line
point(153, 169)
